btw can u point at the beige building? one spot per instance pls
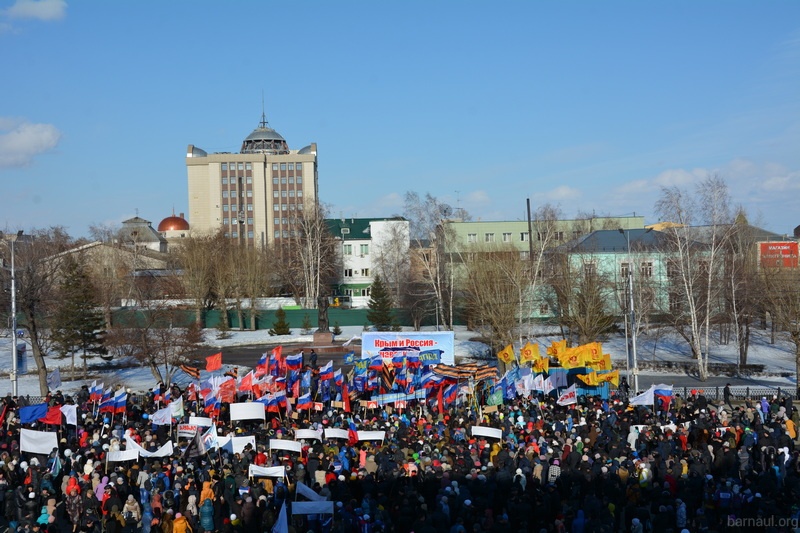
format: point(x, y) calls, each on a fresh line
point(255, 196)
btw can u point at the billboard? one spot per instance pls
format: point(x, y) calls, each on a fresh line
point(432, 347)
point(781, 254)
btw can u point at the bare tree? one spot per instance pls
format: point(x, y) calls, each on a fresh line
point(391, 259)
point(494, 284)
point(696, 268)
point(37, 264)
point(783, 302)
point(428, 231)
point(196, 259)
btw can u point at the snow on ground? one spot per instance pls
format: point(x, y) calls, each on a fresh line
point(656, 346)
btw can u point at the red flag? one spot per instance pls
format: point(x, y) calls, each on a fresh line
point(440, 398)
point(214, 362)
point(247, 383)
point(53, 416)
point(346, 398)
point(227, 391)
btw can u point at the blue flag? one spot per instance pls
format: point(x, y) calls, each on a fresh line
point(32, 413)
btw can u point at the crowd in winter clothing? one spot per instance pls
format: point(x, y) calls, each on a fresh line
point(595, 466)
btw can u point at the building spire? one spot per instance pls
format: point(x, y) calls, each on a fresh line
point(263, 123)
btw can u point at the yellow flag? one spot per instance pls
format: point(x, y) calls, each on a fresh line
point(593, 352)
point(506, 355)
point(609, 377)
point(529, 352)
point(589, 379)
point(557, 348)
point(603, 364)
point(571, 358)
point(541, 365)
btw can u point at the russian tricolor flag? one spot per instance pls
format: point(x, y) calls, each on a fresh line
point(120, 401)
point(294, 362)
point(304, 402)
point(326, 372)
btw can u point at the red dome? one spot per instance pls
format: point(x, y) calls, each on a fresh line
point(173, 223)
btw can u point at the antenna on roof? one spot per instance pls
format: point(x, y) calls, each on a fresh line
point(263, 112)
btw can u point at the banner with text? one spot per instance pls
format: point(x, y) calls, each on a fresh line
point(431, 347)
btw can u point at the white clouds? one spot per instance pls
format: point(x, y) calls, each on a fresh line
point(37, 9)
point(21, 142)
point(561, 193)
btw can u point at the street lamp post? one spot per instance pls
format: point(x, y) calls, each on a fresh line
point(631, 314)
point(13, 376)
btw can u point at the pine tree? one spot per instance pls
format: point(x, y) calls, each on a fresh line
point(78, 324)
point(306, 326)
point(280, 326)
point(380, 307)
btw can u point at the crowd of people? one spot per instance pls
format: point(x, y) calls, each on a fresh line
point(600, 465)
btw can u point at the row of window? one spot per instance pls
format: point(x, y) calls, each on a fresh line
point(523, 236)
point(232, 194)
point(285, 194)
point(233, 208)
point(235, 235)
point(226, 221)
point(349, 272)
point(235, 166)
point(287, 207)
point(347, 249)
point(288, 166)
point(285, 234)
point(233, 181)
point(356, 292)
point(287, 180)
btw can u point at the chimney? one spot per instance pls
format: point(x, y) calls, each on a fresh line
point(181, 215)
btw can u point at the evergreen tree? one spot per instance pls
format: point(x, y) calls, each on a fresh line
point(380, 307)
point(306, 325)
point(78, 323)
point(280, 326)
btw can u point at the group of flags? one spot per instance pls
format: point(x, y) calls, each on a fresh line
point(109, 400)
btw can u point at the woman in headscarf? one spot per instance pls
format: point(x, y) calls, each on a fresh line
point(74, 504)
point(132, 513)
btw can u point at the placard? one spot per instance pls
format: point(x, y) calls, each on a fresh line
point(269, 471)
point(202, 421)
point(288, 445)
point(312, 508)
point(334, 433)
point(483, 431)
point(371, 435)
point(187, 431)
point(489, 408)
point(308, 434)
point(247, 411)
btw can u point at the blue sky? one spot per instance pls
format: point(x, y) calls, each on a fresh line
point(592, 106)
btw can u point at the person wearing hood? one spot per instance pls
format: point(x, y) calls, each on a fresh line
point(181, 524)
point(114, 521)
point(207, 515)
point(132, 514)
point(74, 505)
point(207, 493)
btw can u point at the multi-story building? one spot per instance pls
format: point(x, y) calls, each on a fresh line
point(256, 195)
point(369, 246)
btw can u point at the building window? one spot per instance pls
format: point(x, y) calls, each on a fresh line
point(249, 179)
point(224, 194)
point(283, 194)
point(291, 194)
point(277, 234)
point(576, 234)
point(488, 237)
point(364, 249)
point(646, 269)
point(625, 270)
point(274, 166)
point(672, 269)
point(348, 272)
point(224, 166)
point(523, 236)
point(249, 194)
point(283, 166)
point(248, 166)
point(277, 221)
point(234, 208)
point(285, 234)
point(241, 166)
point(298, 166)
point(299, 194)
point(276, 194)
point(525, 256)
point(283, 181)
point(276, 207)
point(227, 235)
point(291, 166)
point(544, 309)
point(225, 208)
point(472, 237)
point(589, 269)
point(291, 207)
point(506, 237)
point(285, 221)
point(225, 221)
point(249, 207)
point(250, 221)
point(291, 180)
point(347, 249)
point(365, 292)
point(299, 180)
point(250, 234)
point(235, 234)
point(284, 208)
point(275, 181)
point(224, 181)
point(558, 236)
point(675, 302)
point(365, 272)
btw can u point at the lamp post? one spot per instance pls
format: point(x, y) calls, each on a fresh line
point(631, 315)
point(13, 375)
